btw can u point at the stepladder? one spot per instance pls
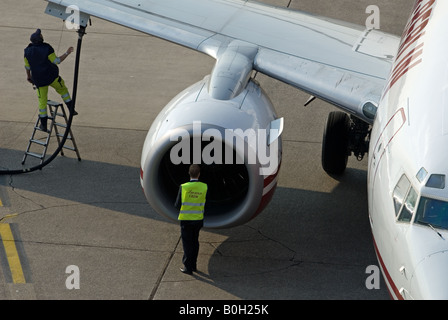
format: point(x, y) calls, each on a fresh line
point(40, 140)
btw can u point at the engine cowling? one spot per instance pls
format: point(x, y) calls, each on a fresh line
point(237, 142)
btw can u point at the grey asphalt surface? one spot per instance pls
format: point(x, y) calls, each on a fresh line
point(312, 242)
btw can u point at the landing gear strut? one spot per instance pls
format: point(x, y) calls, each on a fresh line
point(343, 136)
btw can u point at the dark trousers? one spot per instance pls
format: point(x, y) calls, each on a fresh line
point(189, 231)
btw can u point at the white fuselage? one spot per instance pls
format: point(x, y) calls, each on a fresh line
point(410, 133)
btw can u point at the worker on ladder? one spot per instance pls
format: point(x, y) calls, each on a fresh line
point(42, 71)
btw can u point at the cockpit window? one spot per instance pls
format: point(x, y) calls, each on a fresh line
point(400, 192)
point(436, 181)
point(409, 206)
point(432, 212)
point(405, 198)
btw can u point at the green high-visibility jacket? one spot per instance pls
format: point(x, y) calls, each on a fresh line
point(193, 201)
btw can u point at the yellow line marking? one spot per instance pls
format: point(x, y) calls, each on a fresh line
point(1, 203)
point(11, 253)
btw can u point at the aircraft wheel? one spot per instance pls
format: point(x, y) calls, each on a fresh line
point(335, 143)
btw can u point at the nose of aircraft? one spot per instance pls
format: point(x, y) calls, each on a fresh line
point(430, 278)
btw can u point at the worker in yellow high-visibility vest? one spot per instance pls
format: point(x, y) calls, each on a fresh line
point(191, 201)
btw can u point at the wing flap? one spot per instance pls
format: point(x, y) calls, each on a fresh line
point(349, 91)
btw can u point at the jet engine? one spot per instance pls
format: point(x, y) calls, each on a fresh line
point(237, 143)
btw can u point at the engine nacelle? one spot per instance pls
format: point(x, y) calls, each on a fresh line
point(237, 142)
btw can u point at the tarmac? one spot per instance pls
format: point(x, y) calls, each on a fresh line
point(83, 230)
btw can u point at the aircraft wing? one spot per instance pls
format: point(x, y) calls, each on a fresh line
point(341, 63)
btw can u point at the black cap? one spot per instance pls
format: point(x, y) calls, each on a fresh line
point(36, 37)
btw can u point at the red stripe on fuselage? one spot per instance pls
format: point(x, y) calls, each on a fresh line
point(388, 277)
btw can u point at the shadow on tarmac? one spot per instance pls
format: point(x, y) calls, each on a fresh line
point(304, 245)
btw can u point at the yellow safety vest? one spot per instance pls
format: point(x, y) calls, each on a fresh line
point(193, 201)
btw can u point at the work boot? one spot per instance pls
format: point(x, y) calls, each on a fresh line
point(71, 107)
point(43, 123)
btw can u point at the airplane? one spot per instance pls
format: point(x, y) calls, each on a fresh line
point(392, 93)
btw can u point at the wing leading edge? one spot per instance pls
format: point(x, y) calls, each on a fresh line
point(341, 63)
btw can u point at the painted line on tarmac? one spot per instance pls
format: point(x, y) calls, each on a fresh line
point(9, 255)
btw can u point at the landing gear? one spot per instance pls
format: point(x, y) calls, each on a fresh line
point(343, 135)
point(335, 143)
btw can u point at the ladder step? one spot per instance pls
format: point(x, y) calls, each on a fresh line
point(35, 155)
point(53, 103)
point(42, 143)
point(60, 135)
point(39, 129)
point(60, 125)
point(70, 148)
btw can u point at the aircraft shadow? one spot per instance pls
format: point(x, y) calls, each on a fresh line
point(101, 184)
point(305, 245)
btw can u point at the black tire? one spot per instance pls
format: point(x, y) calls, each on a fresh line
point(335, 143)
